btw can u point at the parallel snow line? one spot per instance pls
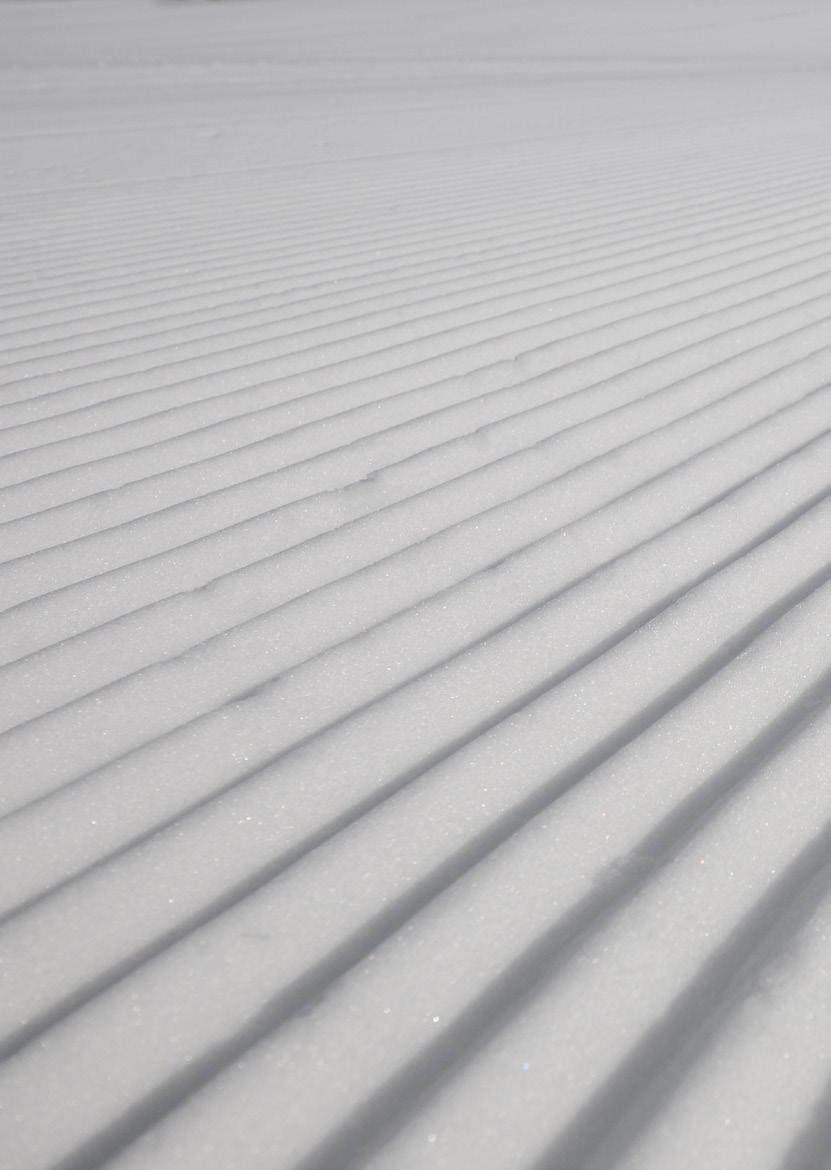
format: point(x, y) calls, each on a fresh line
point(193, 177)
point(126, 407)
point(130, 327)
point(685, 1028)
point(47, 383)
point(298, 244)
point(475, 1021)
point(190, 627)
point(320, 304)
point(354, 269)
point(49, 217)
point(399, 576)
point(549, 207)
point(21, 579)
point(122, 852)
point(362, 184)
point(12, 371)
point(193, 695)
point(260, 399)
point(565, 273)
point(366, 180)
point(590, 916)
point(283, 1006)
point(314, 204)
point(135, 315)
point(239, 323)
point(342, 211)
point(36, 620)
point(550, 213)
point(470, 232)
point(266, 168)
point(740, 1066)
point(73, 482)
point(616, 1115)
point(354, 261)
point(651, 547)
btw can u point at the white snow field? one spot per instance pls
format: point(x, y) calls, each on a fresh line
point(415, 647)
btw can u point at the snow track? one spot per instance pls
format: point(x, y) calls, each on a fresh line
point(415, 586)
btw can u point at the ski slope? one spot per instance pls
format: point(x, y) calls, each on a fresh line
point(415, 598)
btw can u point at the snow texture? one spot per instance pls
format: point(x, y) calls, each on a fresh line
point(415, 598)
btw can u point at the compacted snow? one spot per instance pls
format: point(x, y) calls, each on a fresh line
point(415, 484)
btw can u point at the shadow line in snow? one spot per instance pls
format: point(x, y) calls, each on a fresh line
point(35, 1027)
point(384, 1114)
point(371, 1126)
point(628, 1102)
point(9, 371)
point(78, 780)
point(809, 1148)
point(291, 431)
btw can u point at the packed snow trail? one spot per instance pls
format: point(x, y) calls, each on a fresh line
point(415, 585)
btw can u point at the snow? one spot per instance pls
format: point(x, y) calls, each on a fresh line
point(415, 643)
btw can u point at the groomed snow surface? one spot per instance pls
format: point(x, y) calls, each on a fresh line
point(415, 483)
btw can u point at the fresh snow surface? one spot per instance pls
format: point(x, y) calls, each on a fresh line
point(415, 599)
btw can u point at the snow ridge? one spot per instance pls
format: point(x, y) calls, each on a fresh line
point(415, 591)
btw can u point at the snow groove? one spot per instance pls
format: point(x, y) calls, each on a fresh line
point(415, 587)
